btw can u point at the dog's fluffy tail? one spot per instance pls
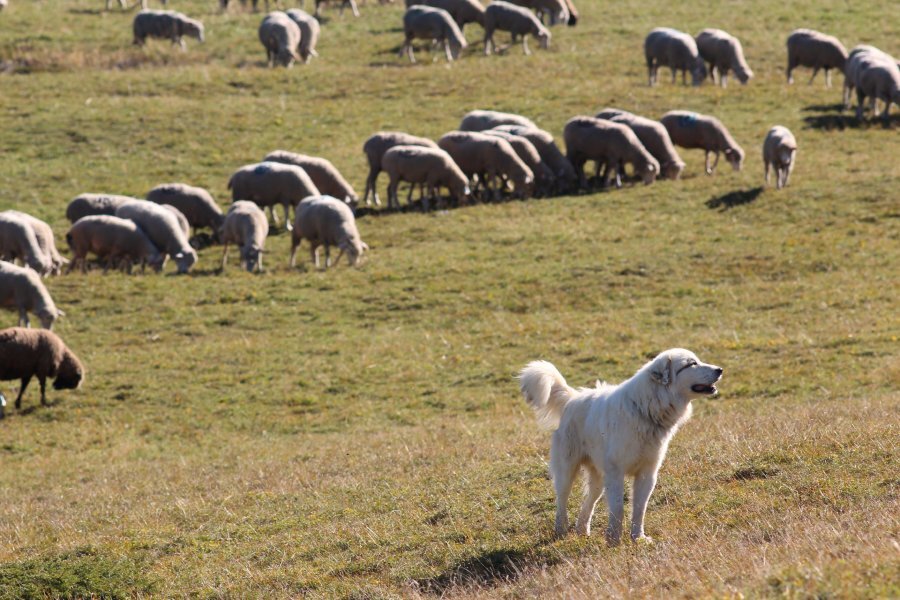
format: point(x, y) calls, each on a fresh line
point(546, 391)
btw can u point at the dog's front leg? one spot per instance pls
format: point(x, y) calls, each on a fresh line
point(643, 487)
point(615, 492)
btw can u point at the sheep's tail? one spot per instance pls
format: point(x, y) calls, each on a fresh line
point(546, 391)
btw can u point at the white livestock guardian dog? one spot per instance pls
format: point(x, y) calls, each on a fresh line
point(615, 430)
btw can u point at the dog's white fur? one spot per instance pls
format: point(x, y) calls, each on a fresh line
point(613, 431)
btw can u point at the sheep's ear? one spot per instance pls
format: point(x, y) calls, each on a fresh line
point(662, 374)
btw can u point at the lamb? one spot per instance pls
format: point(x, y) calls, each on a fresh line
point(723, 52)
point(377, 145)
point(245, 225)
point(113, 240)
point(420, 164)
point(280, 36)
point(95, 204)
point(675, 49)
point(19, 241)
point(324, 175)
point(22, 289)
point(543, 142)
point(480, 120)
point(693, 130)
point(350, 3)
point(611, 143)
point(488, 157)
point(557, 9)
point(182, 220)
point(44, 235)
point(163, 229)
point(462, 11)
point(26, 353)
point(309, 33)
point(195, 203)
point(880, 80)
point(271, 183)
point(165, 24)
point(653, 136)
point(809, 48)
point(779, 151)
point(326, 221)
point(543, 176)
point(431, 24)
point(504, 16)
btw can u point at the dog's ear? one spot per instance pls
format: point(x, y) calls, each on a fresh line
point(662, 374)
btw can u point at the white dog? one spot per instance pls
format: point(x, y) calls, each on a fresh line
point(615, 430)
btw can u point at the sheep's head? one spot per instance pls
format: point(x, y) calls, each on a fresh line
point(698, 73)
point(650, 171)
point(48, 316)
point(743, 74)
point(156, 262)
point(735, 156)
point(673, 169)
point(70, 373)
point(185, 260)
point(355, 251)
point(194, 29)
point(544, 36)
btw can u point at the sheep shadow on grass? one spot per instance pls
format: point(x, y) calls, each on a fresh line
point(735, 198)
point(488, 569)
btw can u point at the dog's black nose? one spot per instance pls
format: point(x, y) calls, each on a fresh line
point(719, 371)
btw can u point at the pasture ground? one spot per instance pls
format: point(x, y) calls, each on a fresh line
point(358, 432)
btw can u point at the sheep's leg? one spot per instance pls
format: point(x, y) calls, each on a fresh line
point(23, 318)
point(886, 115)
point(683, 77)
point(525, 45)
point(327, 256)
point(447, 51)
point(354, 8)
point(287, 221)
point(827, 77)
point(715, 162)
point(314, 254)
point(706, 162)
point(225, 254)
point(338, 259)
point(790, 169)
point(412, 187)
point(43, 382)
point(22, 387)
point(294, 245)
point(767, 171)
point(815, 72)
point(724, 79)
point(392, 201)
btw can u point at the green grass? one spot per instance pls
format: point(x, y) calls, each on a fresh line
point(358, 432)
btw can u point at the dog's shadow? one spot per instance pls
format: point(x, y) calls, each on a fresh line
point(488, 569)
point(735, 198)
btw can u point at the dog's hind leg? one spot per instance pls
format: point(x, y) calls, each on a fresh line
point(593, 489)
point(562, 469)
point(643, 487)
point(614, 486)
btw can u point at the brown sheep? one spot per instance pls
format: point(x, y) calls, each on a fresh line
point(27, 353)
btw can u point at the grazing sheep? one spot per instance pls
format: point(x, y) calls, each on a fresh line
point(462, 11)
point(675, 49)
point(558, 10)
point(479, 120)
point(435, 24)
point(182, 220)
point(245, 225)
point(420, 164)
point(488, 157)
point(19, 241)
point(377, 145)
point(95, 204)
point(280, 36)
point(610, 143)
point(504, 16)
point(573, 13)
point(309, 33)
point(44, 234)
point(724, 53)
point(324, 175)
point(779, 151)
point(271, 183)
point(326, 221)
point(808, 48)
point(26, 353)
point(543, 142)
point(195, 203)
point(860, 58)
point(543, 176)
point(654, 136)
point(693, 130)
point(163, 229)
point(165, 24)
point(879, 80)
point(350, 3)
point(114, 240)
point(22, 289)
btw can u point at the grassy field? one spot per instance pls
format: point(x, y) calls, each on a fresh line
point(358, 432)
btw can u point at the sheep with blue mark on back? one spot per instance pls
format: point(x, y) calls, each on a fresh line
point(693, 130)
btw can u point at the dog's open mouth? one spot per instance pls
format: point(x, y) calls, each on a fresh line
point(704, 389)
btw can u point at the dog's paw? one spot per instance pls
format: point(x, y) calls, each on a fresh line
point(644, 540)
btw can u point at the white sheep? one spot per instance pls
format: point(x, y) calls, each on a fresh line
point(612, 144)
point(860, 57)
point(165, 24)
point(182, 220)
point(693, 130)
point(665, 47)
point(429, 23)
point(323, 173)
point(723, 52)
point(558, 10)
point(544, 179)
point(878, 80)
point(504, 16)
point(374, 149)
point(18, 241)
point(480, 120)
point(326, 221)
point(309, 33)
point(163, 229)
point(280, 36)
point(95, 204)
point(21, 289)
point(44, 235)
point(462, 11)
point(271, 183)
point(817, 50)
point(245, 225)
point(429, 166)
point(195, 203)
point(113, 240)
point(488, 157)
point(653, 135)
point(563, 170)
point(779, 151)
